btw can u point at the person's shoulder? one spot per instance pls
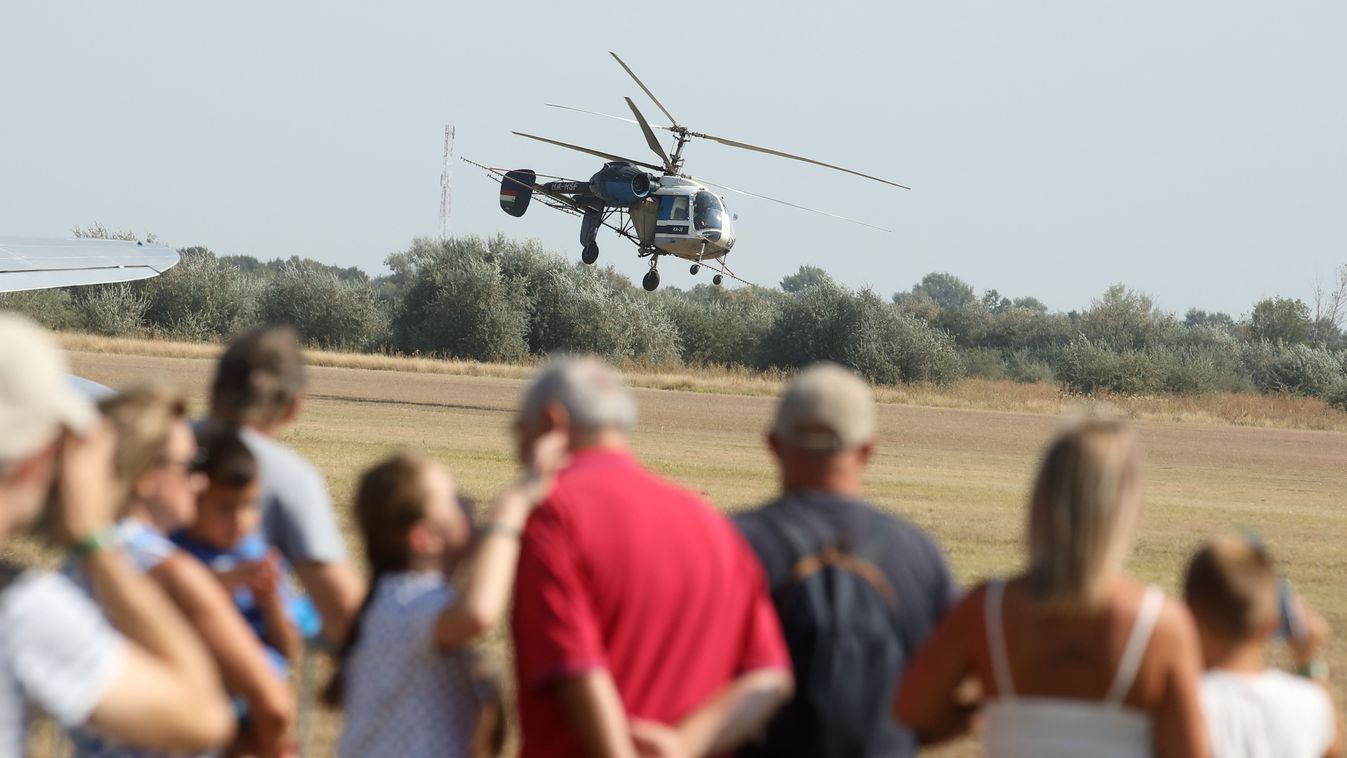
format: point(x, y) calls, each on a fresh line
point(274, 453)
point(42, 596)
point(412, 594)
point(1294, 692)
point(899, 528)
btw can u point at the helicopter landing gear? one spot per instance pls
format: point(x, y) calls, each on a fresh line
point(717, 280)
point(589, 231)
point(651, 280)
point(698, 265)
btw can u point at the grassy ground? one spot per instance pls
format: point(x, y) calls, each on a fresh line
point(1240, 409)
point(961, 473)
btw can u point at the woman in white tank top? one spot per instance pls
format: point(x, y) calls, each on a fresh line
point(1073, 658)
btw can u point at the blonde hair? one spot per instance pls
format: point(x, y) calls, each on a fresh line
point(143, 418)
point(1082, 513)
point(1231, 586)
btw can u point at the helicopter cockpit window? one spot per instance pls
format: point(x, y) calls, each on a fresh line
point(707, 212)
point(673, 208)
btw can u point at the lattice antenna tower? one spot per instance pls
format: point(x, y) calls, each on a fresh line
point(445, 180)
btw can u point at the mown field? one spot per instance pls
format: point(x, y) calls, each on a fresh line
point(961, 473)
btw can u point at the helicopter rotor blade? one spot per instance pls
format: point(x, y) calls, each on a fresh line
point(650, 138)
point(644, 88)
point(780, 154)
point(788, 203)
point(605, 115)
point(597, 153)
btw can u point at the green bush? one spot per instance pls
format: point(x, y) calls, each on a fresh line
point(54, 309)
point(201, 299)
point(113, 310)
point(1023, 366)
point(1123, 319)
point(325, 310)
point(1337, 395)
point(859, 330)
point(1087, 367)
point(1297, 369)
point(984, 363)
point(458, 304)
point(720, 326)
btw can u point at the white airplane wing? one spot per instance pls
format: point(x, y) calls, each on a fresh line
point(31, 263)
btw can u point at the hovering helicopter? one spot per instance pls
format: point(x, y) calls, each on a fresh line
point(669, 213)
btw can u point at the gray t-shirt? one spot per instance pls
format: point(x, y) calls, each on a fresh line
point(297, 514)
point(57, 653)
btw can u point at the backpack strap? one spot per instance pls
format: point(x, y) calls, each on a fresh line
point(809, 555)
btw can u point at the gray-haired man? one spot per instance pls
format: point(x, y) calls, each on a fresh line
point(858, 590)
point(635, 601)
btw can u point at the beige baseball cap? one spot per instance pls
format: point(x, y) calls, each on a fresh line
point(36, 399)
point(826, 408)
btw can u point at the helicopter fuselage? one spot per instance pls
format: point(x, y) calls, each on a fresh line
point(671, 215)
point(684, 219)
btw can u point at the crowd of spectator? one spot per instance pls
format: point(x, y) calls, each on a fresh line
point(203, 555)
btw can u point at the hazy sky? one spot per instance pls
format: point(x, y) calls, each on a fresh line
point(1195, 150)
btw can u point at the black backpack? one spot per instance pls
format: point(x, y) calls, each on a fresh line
point(838, 614)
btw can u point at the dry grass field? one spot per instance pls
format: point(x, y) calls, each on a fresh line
point(961, 473)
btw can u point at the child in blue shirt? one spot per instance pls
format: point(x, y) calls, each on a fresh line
point(224, 536)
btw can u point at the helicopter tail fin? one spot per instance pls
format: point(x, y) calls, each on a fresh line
point(516, 190)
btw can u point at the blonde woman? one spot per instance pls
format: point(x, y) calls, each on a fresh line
point(1073, 657)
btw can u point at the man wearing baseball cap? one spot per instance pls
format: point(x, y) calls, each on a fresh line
point(857, 590)
point(148, 683)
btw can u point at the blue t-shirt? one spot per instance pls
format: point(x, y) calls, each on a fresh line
point(251, 549)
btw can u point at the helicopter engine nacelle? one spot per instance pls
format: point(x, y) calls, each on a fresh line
point(620, 183)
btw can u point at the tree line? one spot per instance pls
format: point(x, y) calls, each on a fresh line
point(500, 299)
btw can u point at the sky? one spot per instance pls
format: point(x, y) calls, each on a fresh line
point(1195, 151)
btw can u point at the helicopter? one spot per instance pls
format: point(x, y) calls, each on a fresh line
point(669, 213)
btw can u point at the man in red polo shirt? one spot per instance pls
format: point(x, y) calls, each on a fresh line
point(635, 601)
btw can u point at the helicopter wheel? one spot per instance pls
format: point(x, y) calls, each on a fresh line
point(695, 268)
point(717, 279)
point(651, 280)
point(591, 253)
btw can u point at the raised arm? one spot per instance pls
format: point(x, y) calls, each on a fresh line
point(492, 572)
point(237, 651)
point(166, 694)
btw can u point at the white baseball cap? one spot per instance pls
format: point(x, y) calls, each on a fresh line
point(826, 408)
point(36, 399)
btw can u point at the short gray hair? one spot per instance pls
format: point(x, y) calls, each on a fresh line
point(591, 391)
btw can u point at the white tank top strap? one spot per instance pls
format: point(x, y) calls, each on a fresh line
point(996, 639)
point(1135, 650)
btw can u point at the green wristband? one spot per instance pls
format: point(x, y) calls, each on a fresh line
point(103, 539)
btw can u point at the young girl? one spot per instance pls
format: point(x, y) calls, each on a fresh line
point(405, 676)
